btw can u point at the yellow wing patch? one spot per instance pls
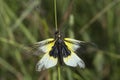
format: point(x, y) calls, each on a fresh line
point(72, 44)
point(44, 46)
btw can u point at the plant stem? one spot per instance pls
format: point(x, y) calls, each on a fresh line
point(59, 75)
point(55, 12)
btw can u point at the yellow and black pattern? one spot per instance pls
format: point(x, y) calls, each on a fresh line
point(59, 50)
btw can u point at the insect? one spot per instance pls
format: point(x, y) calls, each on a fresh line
point(58, 50)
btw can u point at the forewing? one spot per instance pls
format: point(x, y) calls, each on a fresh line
point(80, 46)
point(73, 44)
point(42, 46)
point(46, 62)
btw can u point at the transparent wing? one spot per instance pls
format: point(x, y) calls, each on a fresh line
point(73, 44)
point(80, 46)
point(46, 62)
point(42, 46)
point(73, 60)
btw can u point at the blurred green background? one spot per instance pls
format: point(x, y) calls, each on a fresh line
point(24, 22)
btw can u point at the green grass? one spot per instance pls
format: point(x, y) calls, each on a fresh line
point(24, 22)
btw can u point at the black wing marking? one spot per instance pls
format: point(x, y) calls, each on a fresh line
point(65, 51)
point(54, 51)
